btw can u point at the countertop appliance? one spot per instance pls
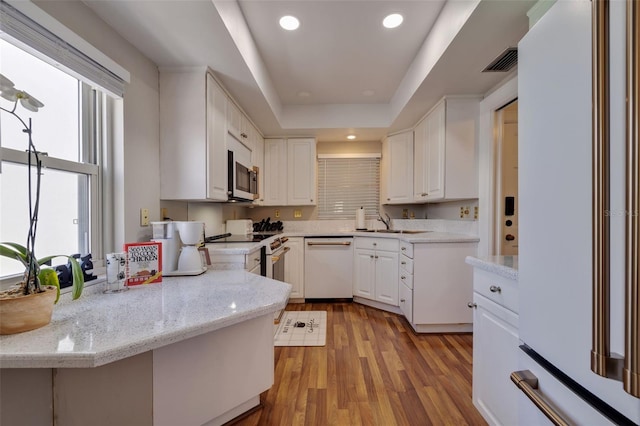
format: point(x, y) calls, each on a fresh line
point(242, 177)
point(179, 240)
point(579, 287)
point(239, 226)
point(328, 268)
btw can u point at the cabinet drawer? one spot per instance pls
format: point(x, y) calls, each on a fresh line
point(406, 264)
point(406, 249)
point(406, 278)
point(386, 244)
point(252, 260)
point(499, 289)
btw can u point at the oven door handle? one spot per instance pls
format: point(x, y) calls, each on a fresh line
point(277, 257)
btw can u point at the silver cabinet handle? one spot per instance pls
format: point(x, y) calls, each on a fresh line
point(403, 277)
point(403, 248)
point(528, 383)
point(376, 257)
point(424, 194)
point(371, 256)
point(402, 300)
point(403, 263)
point(495, 289)
point(472, 305)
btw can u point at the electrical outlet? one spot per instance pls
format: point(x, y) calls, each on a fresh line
point(461, 212)
point(144, 217)
point(405, 213)
point(277, 214)
point(297, 214)
point(475, 212)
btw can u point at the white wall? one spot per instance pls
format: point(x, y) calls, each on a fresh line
point(138, 186)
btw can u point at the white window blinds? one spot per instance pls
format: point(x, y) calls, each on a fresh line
point(346, 184)
point(44, 42)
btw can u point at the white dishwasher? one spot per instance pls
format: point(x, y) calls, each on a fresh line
point(328, 268)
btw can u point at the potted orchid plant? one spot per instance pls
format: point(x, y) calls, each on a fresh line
point(29, 304)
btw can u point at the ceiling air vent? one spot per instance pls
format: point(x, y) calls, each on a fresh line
point(504, 62)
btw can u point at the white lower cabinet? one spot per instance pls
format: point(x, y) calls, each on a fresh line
point(376, 269)
point(442, 287)
point(294, 266)
point(495, 347)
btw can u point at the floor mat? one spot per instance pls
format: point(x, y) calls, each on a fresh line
point(302, 328)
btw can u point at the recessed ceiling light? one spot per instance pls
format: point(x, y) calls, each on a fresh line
point(289, 22)
point(351, 137)
point(392, 21)
point(368, 92)
point(304, 94)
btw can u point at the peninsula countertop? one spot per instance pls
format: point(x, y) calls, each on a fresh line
point(100, 328)
point(506, 266)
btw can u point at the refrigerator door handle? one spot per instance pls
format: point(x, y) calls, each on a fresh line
point(603, 362)
point(527, 382)
point(631, 370)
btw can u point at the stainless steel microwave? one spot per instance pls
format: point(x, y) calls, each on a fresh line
point(243, 179)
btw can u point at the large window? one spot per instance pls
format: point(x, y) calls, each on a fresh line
point(346, 183)
point(64, 131)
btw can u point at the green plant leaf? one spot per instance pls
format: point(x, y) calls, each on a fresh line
point(77, 282)
point(49, 276)
point(14, 251)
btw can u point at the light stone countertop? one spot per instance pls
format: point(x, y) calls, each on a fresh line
point(101, 328)
point(505, 266)
point(422, 237)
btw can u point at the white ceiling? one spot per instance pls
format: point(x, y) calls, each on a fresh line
point(339, 51)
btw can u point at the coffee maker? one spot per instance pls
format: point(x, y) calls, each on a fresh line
point(179, 240)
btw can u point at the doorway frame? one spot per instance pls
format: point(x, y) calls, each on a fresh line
point(504, 93)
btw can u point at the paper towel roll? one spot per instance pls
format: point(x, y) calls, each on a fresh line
point(360, 223)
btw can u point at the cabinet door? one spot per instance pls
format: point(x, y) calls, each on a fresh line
point(420, 162)
point(275, 172)
point(235, 121)
point(364, 271)
point(495, 356)
point(386, 277)
point(435, 133)
point(294, 267)
point(257, 159)
point(301, 182)
point(405, 301)
point(397, 169)
point(216, 142)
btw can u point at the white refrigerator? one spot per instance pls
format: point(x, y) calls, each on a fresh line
point(556, 236)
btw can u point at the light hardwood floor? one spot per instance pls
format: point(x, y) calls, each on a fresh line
point(374, 370)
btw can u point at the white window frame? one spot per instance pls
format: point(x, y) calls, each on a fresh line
point(103, 82)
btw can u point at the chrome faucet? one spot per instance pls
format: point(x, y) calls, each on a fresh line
point(387, 222)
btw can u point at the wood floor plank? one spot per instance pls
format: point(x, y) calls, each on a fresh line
point(374, 370)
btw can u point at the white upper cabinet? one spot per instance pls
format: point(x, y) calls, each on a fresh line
point(238, 125)
point(396, 169)
point(301, 172)
point(193, 156)
point(445, 160)
point(275, 173)
point(257, 158)
point(289, 172)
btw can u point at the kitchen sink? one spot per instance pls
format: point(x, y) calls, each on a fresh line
point(395, 231)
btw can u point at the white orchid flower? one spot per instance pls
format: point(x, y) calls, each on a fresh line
point(10, 93)
point(5, 83)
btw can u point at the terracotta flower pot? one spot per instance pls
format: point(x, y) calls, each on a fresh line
point(24, 313)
